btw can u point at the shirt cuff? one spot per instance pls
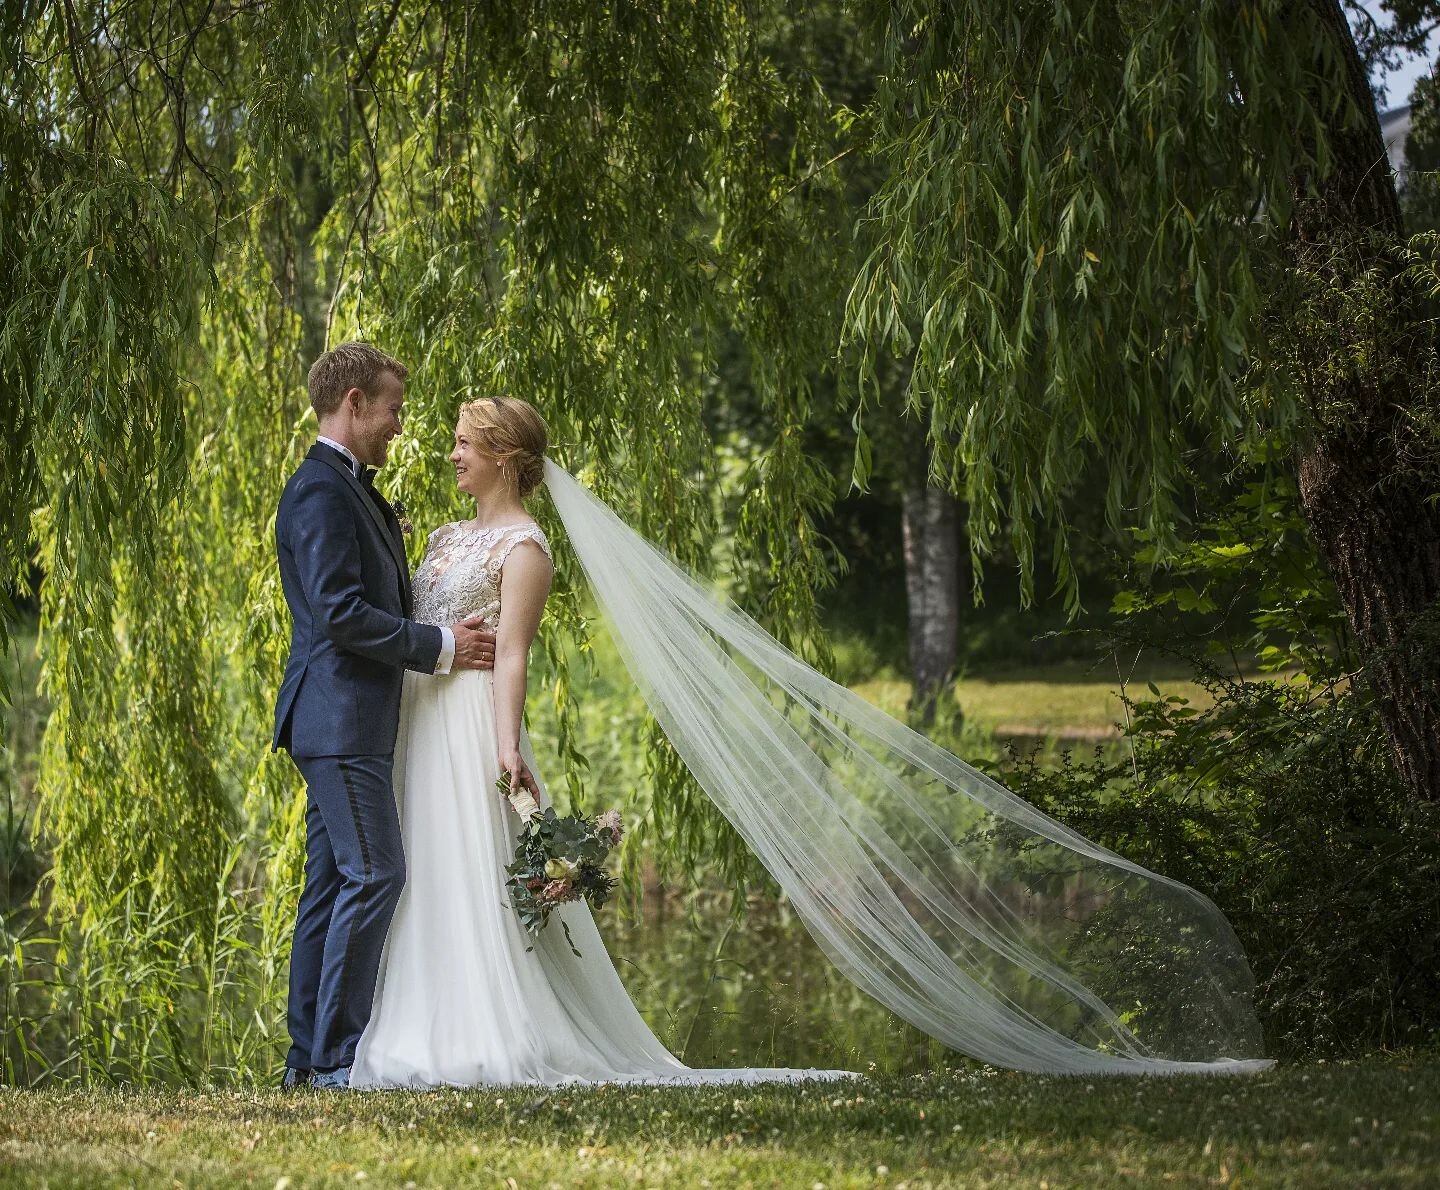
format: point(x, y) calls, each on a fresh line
point(447, 651)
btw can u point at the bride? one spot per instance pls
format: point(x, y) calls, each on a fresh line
point(465, 996)
point(959, 906)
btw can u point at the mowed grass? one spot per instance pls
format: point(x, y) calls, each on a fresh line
point(1067, 699)
point(1366, 1123)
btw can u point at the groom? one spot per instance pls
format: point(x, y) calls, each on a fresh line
point(347, 584)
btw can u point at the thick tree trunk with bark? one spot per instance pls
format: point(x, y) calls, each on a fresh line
point(931, 525)
point(1382, 543)
point(1364, 482)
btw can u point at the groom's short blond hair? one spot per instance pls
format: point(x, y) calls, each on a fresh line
point(345, 366)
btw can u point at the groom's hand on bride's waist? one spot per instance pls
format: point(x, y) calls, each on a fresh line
point(474, 645)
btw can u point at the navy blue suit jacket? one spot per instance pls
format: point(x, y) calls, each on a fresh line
point(347, 584)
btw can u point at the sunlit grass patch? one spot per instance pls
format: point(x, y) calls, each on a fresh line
point(1066, 700)
point(1372, 1123)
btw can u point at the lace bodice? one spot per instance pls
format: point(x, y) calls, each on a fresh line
point(460, 573)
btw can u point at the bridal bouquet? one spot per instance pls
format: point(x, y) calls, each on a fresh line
point(558, 859)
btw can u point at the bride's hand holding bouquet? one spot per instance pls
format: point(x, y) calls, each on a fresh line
point(517, 784)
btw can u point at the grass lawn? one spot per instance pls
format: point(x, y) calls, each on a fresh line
point(1072, 699)
point(1368, 1123)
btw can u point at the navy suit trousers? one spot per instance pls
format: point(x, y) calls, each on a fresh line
point(354, 871)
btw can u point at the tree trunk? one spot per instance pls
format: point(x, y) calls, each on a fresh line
point(1382, 543)
point(1364, 492)
point(931, 527)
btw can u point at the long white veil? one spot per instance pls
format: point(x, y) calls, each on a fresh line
point(957, 905)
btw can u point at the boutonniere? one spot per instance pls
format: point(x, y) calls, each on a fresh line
point(405, 526)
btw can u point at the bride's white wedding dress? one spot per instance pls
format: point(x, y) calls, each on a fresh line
point(462, 999)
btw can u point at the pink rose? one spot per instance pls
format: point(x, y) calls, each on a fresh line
point(610, 823)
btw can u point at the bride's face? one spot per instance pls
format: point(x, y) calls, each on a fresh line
point(475, 472)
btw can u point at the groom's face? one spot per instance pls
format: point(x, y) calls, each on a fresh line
point(376, 420)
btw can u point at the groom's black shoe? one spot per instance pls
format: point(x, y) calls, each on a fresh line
point(294, 1079)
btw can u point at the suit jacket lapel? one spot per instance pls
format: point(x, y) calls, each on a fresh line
point(397, 536)
point(340, 466)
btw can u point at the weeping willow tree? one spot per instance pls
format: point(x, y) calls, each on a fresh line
point(195, 200)
point(1081, 230)
point(1124, 232)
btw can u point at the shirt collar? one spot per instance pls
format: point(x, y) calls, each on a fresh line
point(344, 450)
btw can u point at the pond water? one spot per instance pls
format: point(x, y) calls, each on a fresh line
point(755, 991)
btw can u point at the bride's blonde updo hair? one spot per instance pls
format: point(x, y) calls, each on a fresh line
point(514, 432)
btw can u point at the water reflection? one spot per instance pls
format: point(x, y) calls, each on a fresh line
point(755, 991)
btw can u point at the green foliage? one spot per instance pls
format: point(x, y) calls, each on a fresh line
point(103, 273)
point(587, 207)
point(496, 200)
point(1346, 312)
point(1280, 805)
point(141, 992)
point(1071, 240)
point(1420, 195)
point(1246, 587)
point(1279, 800)
point(22, 722)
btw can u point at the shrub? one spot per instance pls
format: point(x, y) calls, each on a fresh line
point(1280, 803)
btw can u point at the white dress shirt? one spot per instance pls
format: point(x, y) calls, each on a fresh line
point(447, 638)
